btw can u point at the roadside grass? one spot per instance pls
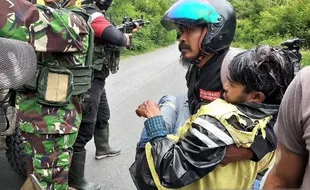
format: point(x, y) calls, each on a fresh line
point(305, 58)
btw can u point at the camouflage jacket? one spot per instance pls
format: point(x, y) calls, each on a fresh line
point(60, 37)
point(46, 29)
point(42, 119)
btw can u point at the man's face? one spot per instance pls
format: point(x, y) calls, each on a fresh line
point(235, 93)
point(189, 42)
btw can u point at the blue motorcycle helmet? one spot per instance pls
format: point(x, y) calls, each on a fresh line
point(218, 18)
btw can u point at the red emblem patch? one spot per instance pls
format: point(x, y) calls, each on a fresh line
point(209, 95)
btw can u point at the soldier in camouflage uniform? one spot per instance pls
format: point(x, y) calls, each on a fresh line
point(96, 112)
point(77, 178)
point(49, 107)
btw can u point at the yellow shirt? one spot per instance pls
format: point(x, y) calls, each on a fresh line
point(237, 175)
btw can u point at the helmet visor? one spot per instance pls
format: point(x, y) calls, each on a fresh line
point(190, 13)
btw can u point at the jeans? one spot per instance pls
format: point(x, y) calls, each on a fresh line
point(256, 185)
point(175, 111)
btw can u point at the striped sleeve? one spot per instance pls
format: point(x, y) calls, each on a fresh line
point(192, 157)
point(215, 132)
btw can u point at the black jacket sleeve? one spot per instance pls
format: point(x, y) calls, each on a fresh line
point(261, 146)
point(182, 163)
point(110, 35)
point(185, 161)
point(113, 36)
point(140, 172)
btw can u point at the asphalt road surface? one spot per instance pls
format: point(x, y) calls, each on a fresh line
point(145, 77)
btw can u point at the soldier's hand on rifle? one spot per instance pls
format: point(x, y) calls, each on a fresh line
point(128, 36)
point(138, 27)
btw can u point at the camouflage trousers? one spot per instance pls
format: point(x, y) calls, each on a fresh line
point(48, 157)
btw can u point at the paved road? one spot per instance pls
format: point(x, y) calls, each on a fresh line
point(148, 76)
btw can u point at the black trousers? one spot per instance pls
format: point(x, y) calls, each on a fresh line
point(95, 113)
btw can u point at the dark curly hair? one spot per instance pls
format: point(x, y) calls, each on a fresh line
point(265, 69)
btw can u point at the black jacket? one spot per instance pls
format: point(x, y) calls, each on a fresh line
point(189, 159)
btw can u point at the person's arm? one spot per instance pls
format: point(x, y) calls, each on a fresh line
point(234, 154)
point(193, 156)
point(107, 33)
point(180, 163)
point(104, 30)
point(259, 148)
point(113, 36)
point(262, 146)
point(284, 176)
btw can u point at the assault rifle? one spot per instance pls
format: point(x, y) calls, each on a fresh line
point(294, 45)
point(128, 25)
point(113, 52)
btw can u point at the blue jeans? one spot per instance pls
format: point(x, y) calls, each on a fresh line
point(256, 185)
point(175, 111)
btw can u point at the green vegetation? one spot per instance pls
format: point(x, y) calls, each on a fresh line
point(272, 22)
point(259, 22)
point(305, 58)
point(151, 36)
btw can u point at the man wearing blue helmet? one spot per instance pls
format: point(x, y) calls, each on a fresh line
point(206, 30)
point(190, 160)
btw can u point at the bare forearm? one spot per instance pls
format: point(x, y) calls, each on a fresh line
point(234, 154)
point(288, 170)
point(274, 182)
point(278, 181)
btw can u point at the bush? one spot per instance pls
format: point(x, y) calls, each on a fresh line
point(272, 22)
point(261, 21)
point(305, 58)
point(150, 36)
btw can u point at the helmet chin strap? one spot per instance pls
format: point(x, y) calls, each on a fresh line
point(197, 60)
point(202, 54)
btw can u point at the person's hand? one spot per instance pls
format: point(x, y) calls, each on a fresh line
point(138, 27)
point(129, 35)
point(234, 154)
point(128, 39)
point(148, 109)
